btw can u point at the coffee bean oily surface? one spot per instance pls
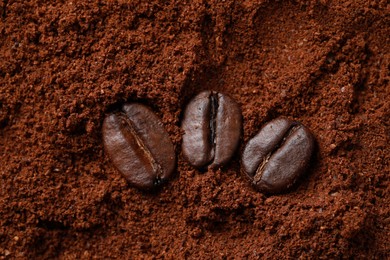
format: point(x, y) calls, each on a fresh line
point(212, 126)
point(139, 146)
point(278, 155)
point(63, 64)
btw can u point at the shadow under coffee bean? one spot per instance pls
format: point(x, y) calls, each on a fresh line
point(278, 155)
point(139, 146)
point(212, 127)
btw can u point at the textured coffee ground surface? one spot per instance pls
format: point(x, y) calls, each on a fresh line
point(64, 65)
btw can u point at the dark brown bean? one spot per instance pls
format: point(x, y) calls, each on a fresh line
point(212, 127)
point(278, 155)
point(139, 146)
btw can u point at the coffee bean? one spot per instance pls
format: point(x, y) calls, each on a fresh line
point(278, 155)
point(139, 146)
point(212, 127)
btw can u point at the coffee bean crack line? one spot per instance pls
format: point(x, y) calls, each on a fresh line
point(213, 122)
point(128, 124)
point(260, 169)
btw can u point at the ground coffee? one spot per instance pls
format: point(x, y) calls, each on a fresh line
point(64, 65)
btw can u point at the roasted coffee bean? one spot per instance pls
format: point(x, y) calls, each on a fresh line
point(278, 155)
point(139, 146)
point(212, 126)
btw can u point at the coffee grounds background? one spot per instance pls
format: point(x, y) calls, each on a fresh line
point(64, 65)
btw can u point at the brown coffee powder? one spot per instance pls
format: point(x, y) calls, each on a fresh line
point(65, 64)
